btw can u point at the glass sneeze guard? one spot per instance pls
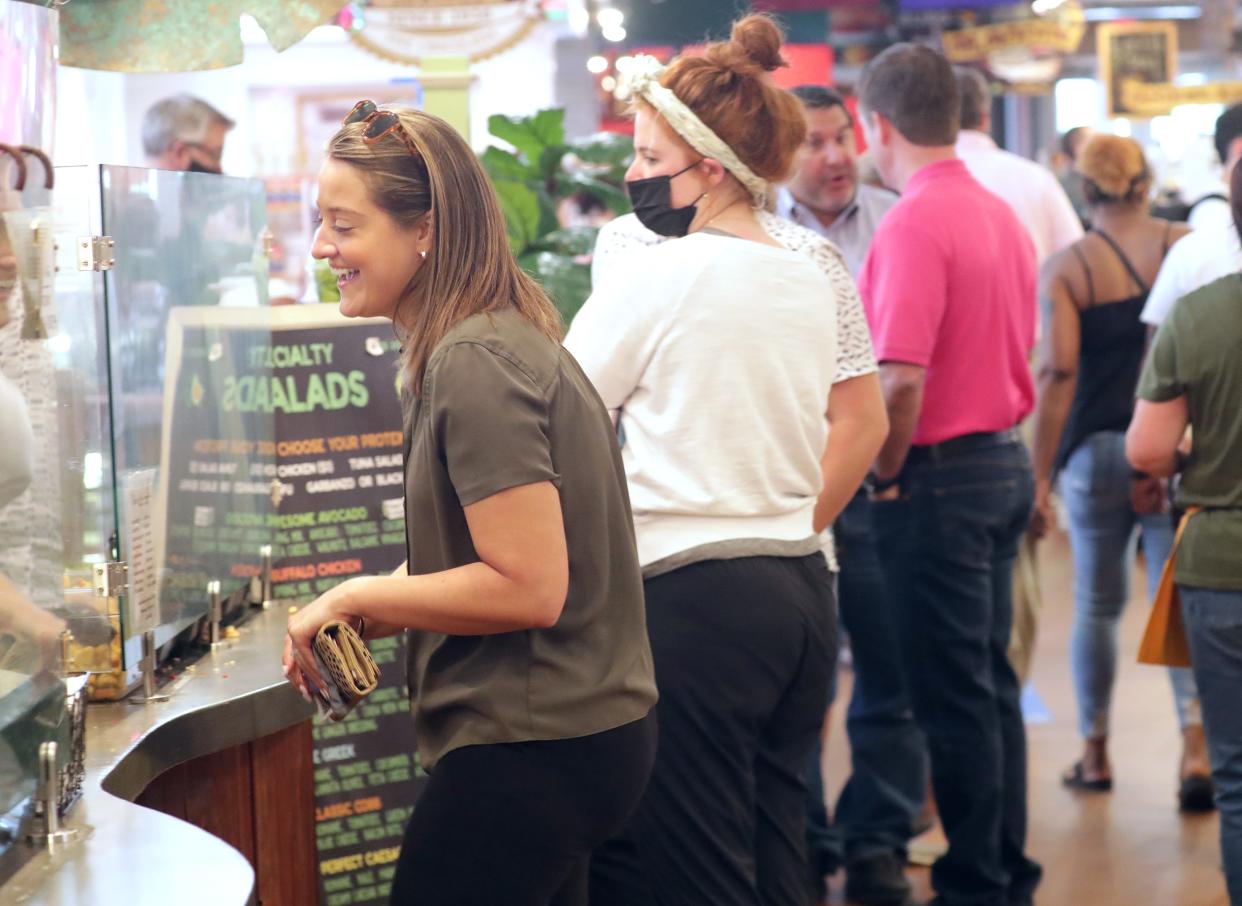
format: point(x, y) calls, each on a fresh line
point(186, 300)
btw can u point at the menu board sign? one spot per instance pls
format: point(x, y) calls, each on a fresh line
point(281, 430)
point(341, 514)
point(367, 779)
point(303, 414)
point(338, 460)
point(213, 504)
point(1143, 52)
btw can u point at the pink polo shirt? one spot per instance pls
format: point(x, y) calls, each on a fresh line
point(950, 284)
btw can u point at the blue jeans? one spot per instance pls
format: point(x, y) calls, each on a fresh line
point(1213, 621)
point(884, 793)
point(948, 546)
point(1095, 486)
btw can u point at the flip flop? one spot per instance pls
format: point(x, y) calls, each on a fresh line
point(1074, 779)
point(1197, 793)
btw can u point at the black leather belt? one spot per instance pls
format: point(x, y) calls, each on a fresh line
point(966, 443)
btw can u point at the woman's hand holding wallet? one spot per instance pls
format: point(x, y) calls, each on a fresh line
point(326, 658)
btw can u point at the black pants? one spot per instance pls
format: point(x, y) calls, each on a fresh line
point(744, 652)
point(948, 547)
point(515, 823)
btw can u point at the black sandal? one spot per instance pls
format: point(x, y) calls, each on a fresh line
point(1074, 779)
point(1197, 794)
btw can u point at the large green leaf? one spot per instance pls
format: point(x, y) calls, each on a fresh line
point(550, 161)
point(548, 221)
point(573, 241)
point(532, 181)
point(530, 135)
point(501, 164)
point(520, 205)
point(608, 148)
point(325, 283)
point(565, 280)
point(606, 156)
point(615, 199)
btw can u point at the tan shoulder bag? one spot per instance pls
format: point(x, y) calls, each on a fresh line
point(1164, 641)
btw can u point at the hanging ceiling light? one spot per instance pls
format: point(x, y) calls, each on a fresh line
point(610, 17)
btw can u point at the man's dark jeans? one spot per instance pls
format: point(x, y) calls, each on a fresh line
point(1213, 618)
point(948, 545)
point(884, 793)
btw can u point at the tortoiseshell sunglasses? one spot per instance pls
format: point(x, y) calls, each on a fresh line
point(379, 124)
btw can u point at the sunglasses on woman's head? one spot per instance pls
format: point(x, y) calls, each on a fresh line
point(379, 124)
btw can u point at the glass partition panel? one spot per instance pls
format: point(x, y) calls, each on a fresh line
point(78, 351)
point(187, 310)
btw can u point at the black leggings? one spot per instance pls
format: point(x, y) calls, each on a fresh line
point(515, 823)
point(744, 652)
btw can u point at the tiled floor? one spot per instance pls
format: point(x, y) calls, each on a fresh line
point(1127, 848)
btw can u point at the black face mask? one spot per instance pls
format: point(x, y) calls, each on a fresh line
point(196, 167)
point(653, 204)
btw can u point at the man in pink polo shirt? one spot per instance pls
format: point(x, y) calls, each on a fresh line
point(949, 289)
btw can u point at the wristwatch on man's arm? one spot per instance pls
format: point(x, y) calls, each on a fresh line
point(881, 488)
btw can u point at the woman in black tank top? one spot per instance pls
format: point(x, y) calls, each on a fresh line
point(1093, 347)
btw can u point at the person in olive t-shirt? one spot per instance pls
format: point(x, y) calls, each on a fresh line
point(1193, 378)
point(529, 668)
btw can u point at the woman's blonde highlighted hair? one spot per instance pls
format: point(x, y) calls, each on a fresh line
point(1115, 170)
point(470, 268)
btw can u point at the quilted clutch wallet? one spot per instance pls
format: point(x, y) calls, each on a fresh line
point(347, 667)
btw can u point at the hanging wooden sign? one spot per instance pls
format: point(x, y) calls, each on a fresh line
point(406, 31)
point(1058, 34)
point(1144, 52)
point(1159, 98)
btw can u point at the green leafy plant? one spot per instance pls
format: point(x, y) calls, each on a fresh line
point(532, 180)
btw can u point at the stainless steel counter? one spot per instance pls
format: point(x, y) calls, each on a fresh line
point(132, 856)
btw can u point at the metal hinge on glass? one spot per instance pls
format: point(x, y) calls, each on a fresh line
point(95, 253)
point(111, 579)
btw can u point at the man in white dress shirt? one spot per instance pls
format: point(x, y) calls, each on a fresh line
point(1031, 190)
point(1212, 250)
point(1037, 197)
point(1212, 208)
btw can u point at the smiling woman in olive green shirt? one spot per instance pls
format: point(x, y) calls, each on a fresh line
point(529, 668)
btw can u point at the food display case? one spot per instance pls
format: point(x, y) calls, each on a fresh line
point(35, 706)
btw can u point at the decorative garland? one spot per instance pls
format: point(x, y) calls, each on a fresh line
point(371, 47)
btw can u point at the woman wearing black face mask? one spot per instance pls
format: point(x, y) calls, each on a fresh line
point(723, 357)
point(652, 199)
